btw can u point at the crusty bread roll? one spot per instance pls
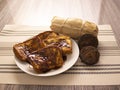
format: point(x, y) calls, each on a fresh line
point(73, 27)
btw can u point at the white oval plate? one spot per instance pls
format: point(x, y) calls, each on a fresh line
point(71, 59)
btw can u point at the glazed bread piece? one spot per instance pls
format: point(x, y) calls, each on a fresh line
point(21, 50)
point(56, 39)
point(46, 59)
point(48, 38)
point(51, 38)
point(61, 41)
point(73, 27)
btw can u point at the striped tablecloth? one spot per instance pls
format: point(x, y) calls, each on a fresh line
point(105, 72)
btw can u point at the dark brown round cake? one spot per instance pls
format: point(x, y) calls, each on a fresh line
point(87, 40)
point(89, 55)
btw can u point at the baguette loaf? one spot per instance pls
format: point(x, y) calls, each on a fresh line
point(73, 27)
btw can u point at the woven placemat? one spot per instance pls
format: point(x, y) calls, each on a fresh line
point(105, 72)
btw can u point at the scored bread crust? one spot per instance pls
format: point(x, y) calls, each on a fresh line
point(73, 27)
